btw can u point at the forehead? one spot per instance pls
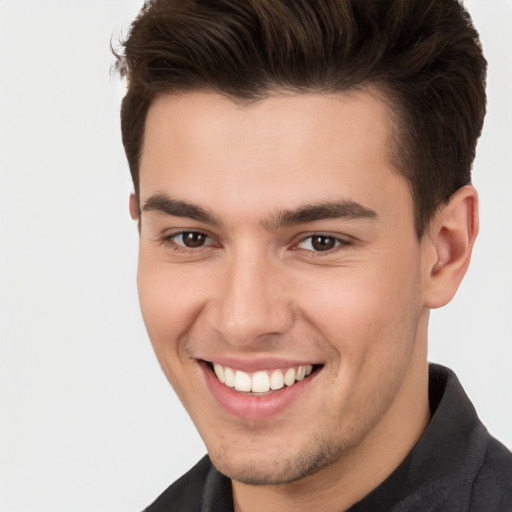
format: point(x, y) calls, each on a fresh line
point(284, 150)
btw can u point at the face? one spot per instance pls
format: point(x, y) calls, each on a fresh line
point(280, 277)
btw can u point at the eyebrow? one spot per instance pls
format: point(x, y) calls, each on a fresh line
point(176, 208)
point(343, 209)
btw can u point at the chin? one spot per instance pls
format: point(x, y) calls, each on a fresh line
point(278, 468)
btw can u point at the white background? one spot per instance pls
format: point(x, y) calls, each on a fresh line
point(87, 421)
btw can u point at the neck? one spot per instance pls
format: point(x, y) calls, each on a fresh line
point(360, 470)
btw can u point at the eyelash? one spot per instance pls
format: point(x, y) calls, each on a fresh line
point(169, 241)
point(341, 244)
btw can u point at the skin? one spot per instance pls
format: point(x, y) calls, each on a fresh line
point(258, 288)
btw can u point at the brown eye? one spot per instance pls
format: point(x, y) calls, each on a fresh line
point(323, 243)
point(192, 239)
point(320, 243)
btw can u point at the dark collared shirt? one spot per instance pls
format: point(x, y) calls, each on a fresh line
point(456, 466)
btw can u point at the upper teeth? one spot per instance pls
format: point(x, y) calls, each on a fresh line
point(262, 381)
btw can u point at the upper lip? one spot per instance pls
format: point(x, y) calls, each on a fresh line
point(255, 364)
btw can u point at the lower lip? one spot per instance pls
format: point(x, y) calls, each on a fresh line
point(254, 407)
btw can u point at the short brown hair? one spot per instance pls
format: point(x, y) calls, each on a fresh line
point(424, 55)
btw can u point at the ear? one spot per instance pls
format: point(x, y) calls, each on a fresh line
point(134, 207)
point(448, 246)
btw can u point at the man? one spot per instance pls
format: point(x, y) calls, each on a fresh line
point(303, 192)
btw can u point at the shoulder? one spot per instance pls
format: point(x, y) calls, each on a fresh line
point(187, 492)
point(480, 467)
point(492, 486)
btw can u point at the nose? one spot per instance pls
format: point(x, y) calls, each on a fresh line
point(251, 301)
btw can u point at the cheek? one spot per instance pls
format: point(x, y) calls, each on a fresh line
point(169, 304)
point(367, 308)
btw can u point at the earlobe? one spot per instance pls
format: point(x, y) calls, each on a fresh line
point(450, 241)
point(134, 207)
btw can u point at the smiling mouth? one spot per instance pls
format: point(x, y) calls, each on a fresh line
point(264, 381)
